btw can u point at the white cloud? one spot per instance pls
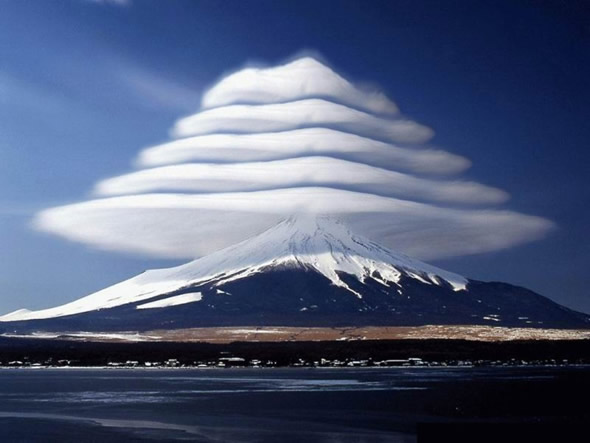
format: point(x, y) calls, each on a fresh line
point(301, 78)
point(302, 113)
point(111, 2)
point(187, 226)
point(301, 142)
point(154, 90)
point(297, 172)
point(254, 165)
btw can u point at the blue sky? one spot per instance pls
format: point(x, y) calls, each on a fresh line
point(84, 85)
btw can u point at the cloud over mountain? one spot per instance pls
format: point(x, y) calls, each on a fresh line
point(228, 148)
point(310, 112)
point(297, 138)
point(297, 172)
point(303, 78)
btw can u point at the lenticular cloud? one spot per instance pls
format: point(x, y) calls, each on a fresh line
point(298, 138)
point(302, 78)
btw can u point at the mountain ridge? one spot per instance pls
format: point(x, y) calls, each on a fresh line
point(304, 271)
point(322, 243)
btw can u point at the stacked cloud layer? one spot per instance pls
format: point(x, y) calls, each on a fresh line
point(293, 139)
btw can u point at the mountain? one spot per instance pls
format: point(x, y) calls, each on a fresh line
point(305, 271)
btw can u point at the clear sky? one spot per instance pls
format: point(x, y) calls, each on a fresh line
point(85, 85)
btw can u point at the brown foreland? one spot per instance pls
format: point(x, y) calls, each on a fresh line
point(278, 334)
point(283, 334)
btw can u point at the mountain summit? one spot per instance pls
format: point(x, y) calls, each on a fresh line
point(305, 271)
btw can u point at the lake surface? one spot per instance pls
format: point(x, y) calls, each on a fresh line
point(279, 405)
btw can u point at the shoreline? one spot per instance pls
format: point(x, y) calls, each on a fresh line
point(281, 334)
point(43, 353)
point(295, 368)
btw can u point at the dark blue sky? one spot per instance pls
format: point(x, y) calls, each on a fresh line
point(85, 85)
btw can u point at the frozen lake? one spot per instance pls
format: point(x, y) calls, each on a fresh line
point(272, 405)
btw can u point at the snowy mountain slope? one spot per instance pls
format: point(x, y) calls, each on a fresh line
point(320, 244)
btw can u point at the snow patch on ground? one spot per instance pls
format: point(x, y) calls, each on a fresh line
point(15, 315)
point(172, 301)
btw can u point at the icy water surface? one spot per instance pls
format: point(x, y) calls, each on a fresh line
point(278, 405)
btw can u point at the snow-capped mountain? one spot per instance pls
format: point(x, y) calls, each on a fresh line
point(321, 244)
point(303, 271)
